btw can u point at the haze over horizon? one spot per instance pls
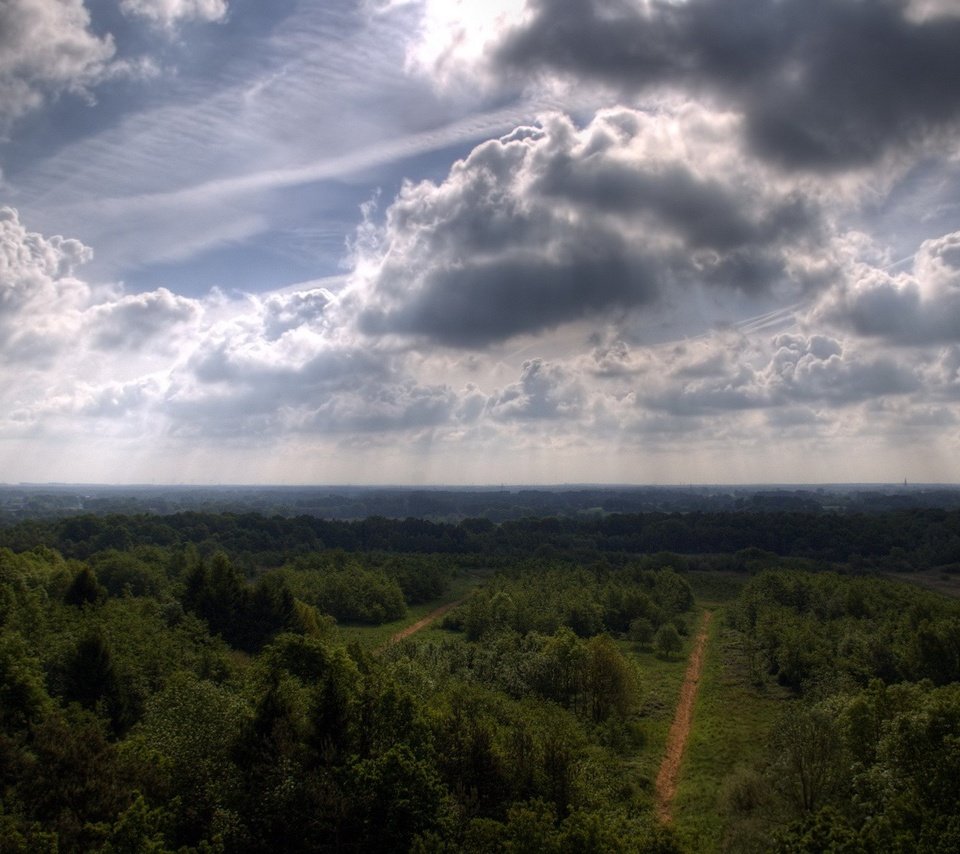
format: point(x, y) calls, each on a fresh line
point(525, 241)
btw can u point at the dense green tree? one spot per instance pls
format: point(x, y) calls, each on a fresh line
point(397, 796)
point(84, 589)
point(610, 681)
point(77, 785)
point(23, 698)
point(126, 573)
point(641, 631)
point(91, 679)
point(667, 640)
point(185, 747)
point(810, 758)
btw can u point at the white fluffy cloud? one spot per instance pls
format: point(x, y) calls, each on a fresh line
point(170, 12)
point(719, 380)
point(50, 47)
point(918, 307)
point(41, 299)
point(46, 48)
point(284, 369)
point(132, 321)
point(698, 260)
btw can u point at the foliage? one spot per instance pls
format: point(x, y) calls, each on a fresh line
point(867, 758)
point(667, 640)
point(171, 685)
point(246, 617)
point(542, 598)
point(893, 539)
point(827, 628)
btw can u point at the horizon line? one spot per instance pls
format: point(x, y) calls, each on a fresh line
point(487, 486)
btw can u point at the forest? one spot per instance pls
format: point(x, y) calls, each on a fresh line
point(221, 682)
point(451, 504)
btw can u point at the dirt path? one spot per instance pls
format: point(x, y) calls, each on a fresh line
point(422, 623)
point(666, 785)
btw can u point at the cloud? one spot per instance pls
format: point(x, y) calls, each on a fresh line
point(822, 85)
point(457, 32)
point(222, 366)
point(47, 48)
point(282, 365)
point(818, 368)
point(926, 10)
point(288, 373)
point(544, 391)
point(40, 298)
point(554, 224)
point(130, 322)
point(730, 373)
point(920, 307)
point(249, 391)
point(303, 308)
point(108, 402)
point(169, 12)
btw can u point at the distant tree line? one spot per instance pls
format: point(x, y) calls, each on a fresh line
point(899, 540)
point(499, 505)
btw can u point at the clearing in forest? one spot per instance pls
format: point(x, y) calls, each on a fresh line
point(434, 615)
point(666, 785)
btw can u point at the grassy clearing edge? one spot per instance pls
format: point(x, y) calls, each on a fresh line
point(372, 637)
point(731, 723)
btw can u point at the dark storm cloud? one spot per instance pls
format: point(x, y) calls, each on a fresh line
point(527, 234)
point(706, 213)
point(822, 83)
point(477, 303)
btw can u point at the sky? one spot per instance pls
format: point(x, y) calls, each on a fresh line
point(444, 242)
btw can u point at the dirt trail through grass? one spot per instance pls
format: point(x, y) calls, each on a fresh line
point(666, 785)
point(422, 623)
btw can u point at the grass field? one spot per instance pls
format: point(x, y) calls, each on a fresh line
point(930, 579)
point(660, 681)
point(731, 723)
point(661, 678)
point(376, 636)
point(714, 588)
